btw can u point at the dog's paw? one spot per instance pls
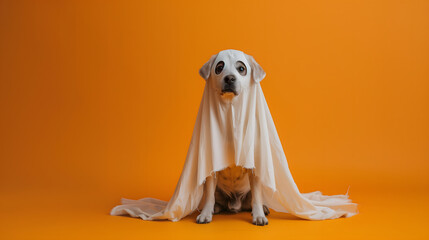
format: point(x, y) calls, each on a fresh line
point(260, 220)
point(204, 218)
point(266, 210)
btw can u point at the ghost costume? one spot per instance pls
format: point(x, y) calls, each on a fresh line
point(237, 132)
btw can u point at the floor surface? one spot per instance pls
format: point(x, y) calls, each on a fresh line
point(33, 215)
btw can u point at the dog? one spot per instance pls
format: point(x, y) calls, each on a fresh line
point(235, 160)
point(235, 188)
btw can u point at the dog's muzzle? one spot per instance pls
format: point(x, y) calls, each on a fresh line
point(229, 85)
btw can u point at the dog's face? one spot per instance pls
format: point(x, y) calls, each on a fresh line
point(231, 71)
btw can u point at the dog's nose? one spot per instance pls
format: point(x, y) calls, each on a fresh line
point(230, 79)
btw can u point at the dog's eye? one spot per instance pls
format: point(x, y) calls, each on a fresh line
point(219, 67)
point(241, 68)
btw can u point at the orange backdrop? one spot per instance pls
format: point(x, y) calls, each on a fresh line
point(98, 98)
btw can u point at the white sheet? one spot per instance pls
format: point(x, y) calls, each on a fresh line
point(240, 132)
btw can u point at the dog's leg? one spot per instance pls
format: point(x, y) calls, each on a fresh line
point(209, 191)
point(257, 208)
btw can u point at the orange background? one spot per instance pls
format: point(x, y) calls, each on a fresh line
point(99, 98)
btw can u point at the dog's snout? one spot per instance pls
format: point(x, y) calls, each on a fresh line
point(230, 79)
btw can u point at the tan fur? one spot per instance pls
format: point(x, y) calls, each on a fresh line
point(233, 180)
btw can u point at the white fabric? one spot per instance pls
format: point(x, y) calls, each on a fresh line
point(238, 132)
